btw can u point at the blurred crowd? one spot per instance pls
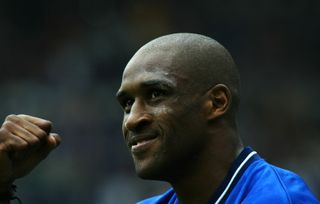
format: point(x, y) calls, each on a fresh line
point(63, 60)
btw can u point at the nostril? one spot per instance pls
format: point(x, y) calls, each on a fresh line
point(138, 123)
point(142, 125)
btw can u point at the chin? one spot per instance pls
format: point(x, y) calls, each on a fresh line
point(151, 172)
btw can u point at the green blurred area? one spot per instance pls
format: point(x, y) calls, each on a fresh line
point(63, 60)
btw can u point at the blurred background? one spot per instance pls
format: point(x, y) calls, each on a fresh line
point(62, 60)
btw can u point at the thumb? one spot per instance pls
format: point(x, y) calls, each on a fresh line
point(54, 140)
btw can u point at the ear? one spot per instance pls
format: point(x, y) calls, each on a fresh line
point(218, 101)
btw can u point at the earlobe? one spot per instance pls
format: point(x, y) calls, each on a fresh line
point(220, 100)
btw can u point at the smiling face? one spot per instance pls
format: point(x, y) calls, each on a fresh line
point(179, 94)
point(164, 119)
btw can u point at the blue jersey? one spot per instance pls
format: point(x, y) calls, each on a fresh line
point(252, 180)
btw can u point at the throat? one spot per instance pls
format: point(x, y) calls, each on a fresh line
point(199, 182)
point(195, 191)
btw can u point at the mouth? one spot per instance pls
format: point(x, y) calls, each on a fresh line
point(141, 143)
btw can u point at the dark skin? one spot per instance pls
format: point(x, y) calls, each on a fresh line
point(177, 130)
point(179, 95)
point(24, 142)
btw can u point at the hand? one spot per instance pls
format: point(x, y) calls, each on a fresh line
point(24, 142)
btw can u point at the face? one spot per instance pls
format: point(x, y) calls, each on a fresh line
point(163, 120)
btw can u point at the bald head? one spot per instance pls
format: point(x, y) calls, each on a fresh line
point(174, 89)
point(202, 59)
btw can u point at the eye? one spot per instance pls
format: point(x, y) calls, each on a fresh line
point(127, 105)
point(156, 93)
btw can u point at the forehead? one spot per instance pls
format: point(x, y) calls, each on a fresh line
point(148, 66)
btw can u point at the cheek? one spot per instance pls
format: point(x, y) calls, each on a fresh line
point(177, 119)
point(185, 123)
point(170, 123)
point(163, 111)
point(167, 119)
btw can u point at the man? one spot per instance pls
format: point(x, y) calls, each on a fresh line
point(180, 95)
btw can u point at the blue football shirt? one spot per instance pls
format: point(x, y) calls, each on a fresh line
point(252, 180)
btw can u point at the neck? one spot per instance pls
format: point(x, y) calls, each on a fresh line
point(203, 174)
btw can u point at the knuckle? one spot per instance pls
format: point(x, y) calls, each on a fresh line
point(3, 133)
point(7, 124)
point(10, 126)
point(11, 117)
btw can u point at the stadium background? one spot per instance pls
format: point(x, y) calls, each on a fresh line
point(62, 60)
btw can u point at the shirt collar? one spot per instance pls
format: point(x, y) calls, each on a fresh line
point(242, 162)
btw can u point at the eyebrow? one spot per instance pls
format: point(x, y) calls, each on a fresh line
point(150, 83)
point(158, 83)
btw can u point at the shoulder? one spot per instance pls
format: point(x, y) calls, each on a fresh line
point(294, 186)
point(268, 183)
point(160, 199)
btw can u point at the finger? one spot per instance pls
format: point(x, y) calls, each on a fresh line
point(39, 153)
point(11, 143)
point(54, 140)
point(28, 126)
point(18, 131)
point(19, 141)
point(42, 123)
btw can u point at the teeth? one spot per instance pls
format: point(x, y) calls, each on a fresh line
point(140, 142)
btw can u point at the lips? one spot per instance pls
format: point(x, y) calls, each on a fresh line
point(139, 143)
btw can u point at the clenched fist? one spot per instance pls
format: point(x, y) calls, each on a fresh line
point(24, 141)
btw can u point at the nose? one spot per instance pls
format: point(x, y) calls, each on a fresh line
point(138, 118)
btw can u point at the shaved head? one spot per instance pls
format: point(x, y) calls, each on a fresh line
point(201, 57)
point(174, 89)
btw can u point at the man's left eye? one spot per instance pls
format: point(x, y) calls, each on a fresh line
point(156, 93)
